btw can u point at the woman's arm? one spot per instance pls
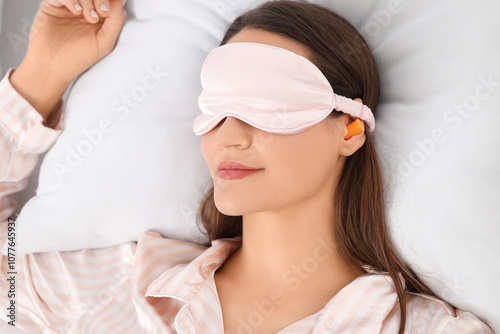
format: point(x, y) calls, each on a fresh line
point(48, 292)
point(41, 90)
point(22, 139)
point(42, 291)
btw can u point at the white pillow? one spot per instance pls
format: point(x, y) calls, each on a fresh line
point(123, 167)
point(443, 166)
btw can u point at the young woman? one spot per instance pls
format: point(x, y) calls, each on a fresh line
point(296, 215)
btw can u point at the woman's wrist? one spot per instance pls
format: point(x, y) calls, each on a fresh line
point(42, 88)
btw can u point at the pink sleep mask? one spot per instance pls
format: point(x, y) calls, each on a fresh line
point(270, 88)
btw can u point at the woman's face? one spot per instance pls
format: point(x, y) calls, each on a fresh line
point(290, 169)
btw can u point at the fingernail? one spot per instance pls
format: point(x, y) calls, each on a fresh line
point(78, 7)
point(104, 7)
point(94, 14)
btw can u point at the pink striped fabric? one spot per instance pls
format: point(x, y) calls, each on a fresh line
point(160, 285)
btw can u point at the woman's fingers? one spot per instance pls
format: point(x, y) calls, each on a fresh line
point(113, 23)
point(92, 10)
point(72, 5)
point(89, 11)
point(75, 7)
point(102, 7)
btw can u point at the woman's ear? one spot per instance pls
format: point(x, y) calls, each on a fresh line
point(349, 146)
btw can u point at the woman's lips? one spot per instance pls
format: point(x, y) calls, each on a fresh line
point(231, 170)
point(234, 174)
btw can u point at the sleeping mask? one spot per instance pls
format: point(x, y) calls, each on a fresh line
point(270, 88)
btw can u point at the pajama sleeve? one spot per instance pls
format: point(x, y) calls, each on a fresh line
point(44, 292)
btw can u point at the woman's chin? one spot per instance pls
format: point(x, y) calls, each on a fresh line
point(229, 210)
point(230, 207)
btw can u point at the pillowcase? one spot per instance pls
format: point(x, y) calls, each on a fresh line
point(134, 164)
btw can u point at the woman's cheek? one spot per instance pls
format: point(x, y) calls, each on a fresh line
point(205, 146)
point(263, 140)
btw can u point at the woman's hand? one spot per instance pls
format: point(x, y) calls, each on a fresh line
point(69, 43)
point(65, 40)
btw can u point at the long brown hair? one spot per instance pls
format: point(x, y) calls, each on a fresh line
point(344, 57)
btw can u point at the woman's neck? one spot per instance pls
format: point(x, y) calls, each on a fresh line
point(291, 248)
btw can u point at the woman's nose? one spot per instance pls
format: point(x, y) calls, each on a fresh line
point(233, 132)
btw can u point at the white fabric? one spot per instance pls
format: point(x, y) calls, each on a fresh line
point(436, 132)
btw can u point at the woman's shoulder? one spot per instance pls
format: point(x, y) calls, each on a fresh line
point(171, 252)
point(153, 242)
point(428, 314)
point(371, 302)
point(425, 313)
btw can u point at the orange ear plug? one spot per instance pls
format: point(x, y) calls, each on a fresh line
point(355, 128)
